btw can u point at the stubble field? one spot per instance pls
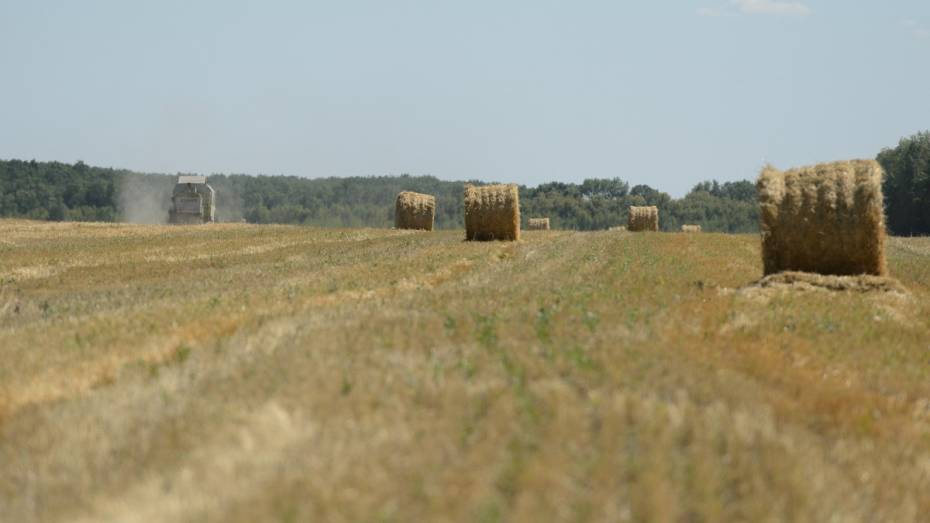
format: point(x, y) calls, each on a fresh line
point(255, 373)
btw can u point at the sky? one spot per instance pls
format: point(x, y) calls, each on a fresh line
point(664, 93)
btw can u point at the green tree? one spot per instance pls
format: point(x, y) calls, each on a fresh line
point(907, 185)
point(52, 190)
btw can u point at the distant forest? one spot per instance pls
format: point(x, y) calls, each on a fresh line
point(78, 192)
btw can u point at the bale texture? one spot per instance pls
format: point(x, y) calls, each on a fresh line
point(690, 228)
point(492, 212)
point(825, 219)
point(538, 224)
point(643, 219)
point(414, 211)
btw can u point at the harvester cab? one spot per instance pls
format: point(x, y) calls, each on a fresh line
point(193, 201)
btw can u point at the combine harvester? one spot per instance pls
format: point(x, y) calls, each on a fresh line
point(192, 202)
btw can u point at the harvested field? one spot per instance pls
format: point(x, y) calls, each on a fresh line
point(255, 373)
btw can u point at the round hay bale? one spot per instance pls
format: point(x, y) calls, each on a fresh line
point(690, 228)
point(492, 212)
point(825, 219)
point(621, 228)
point(538, 224)
point(414, 211)
point(643, 219)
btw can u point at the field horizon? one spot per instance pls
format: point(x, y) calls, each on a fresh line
point(238, 372)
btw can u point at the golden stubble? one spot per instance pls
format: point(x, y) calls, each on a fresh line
point(241, 373)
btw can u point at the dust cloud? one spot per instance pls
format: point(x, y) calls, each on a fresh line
point(145, 198)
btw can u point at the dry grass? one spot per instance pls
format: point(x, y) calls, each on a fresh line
point(492, 212)
point(824, 219)
point(246, 373)
point(538, 224)
point(414, 211)
point(643, 219)
point(811, 281)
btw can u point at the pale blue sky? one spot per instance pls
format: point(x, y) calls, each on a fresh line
point(665, 93)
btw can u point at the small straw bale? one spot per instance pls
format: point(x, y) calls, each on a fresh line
point(643, 219)
point(538, 224)
point(414, 211)
point(621, 228)
point(825, 219)
point(690, 228)
point(492, 212)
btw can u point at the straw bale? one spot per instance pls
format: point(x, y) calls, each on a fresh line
point(538, 224)
point(690, 228)
point(643, 219)
point(414, 211)
point(618, 228)
point(825, 219)
point(492, 212)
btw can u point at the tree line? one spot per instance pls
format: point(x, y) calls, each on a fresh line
point(907, 185)
point(65, 192)
point(78, 192)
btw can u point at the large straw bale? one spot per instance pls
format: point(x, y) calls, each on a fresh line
point(690, 228)
point(825, 219)
point(492, 212)
point(414, 211)
point(643, 219)
point(538, 224)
